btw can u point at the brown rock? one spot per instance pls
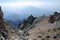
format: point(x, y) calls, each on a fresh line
point(54, 17)
point(1, 20)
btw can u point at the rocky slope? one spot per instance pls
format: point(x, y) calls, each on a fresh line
point(45, 30)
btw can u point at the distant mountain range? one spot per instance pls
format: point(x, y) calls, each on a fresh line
point(24, 12)
point(13, 24)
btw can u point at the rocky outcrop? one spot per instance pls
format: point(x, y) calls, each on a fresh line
point(54, 17)
point(1, 20)
point(30, 19)
point(27, 23)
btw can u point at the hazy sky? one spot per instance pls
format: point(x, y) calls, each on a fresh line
point(12, 6)
point(44, 4)
point(28, 2)
point(38, 3)
point(25, 0)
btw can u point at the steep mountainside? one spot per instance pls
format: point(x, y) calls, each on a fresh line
point(44, 30)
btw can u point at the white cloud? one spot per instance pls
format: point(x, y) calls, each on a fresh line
point(41, 4)
point(31, 3)
point(15, 4)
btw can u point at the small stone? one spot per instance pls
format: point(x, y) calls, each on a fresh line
point(58, 28)
point(47, 36)
point(42, 39)
point(12, 37)
point(49, 30)
point(54, 29)
point(58, 34)
point(34, 39)
point(55, 37)
point(39, 36)
point(47, 39)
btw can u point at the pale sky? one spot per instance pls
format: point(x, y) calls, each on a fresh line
point(45, 4)
point(27, 2)
point(12, 6)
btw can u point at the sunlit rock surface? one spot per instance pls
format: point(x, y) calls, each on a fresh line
point(44, 30)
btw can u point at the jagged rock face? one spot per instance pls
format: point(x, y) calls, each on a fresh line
point(54, 17)
point(3, 30)
point(3, 34)
point(1, 20)
point(57, 16)
point(30, 19)
point(27, 23)
point(22, 26)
